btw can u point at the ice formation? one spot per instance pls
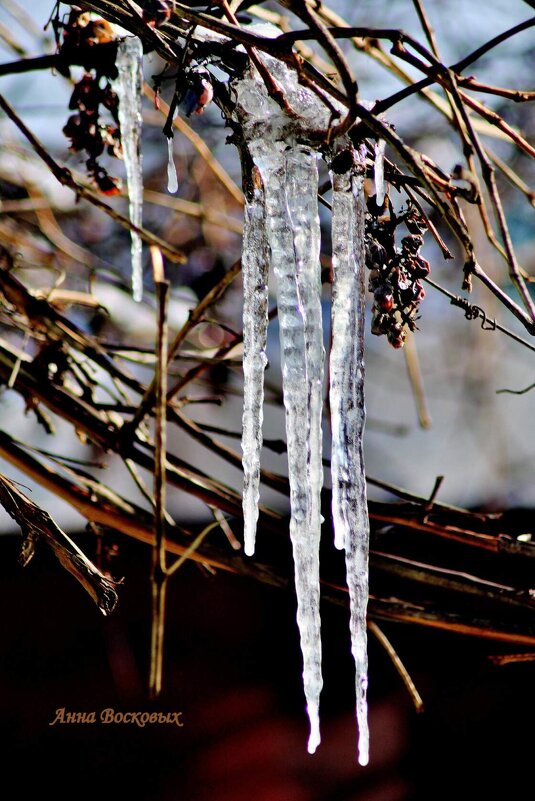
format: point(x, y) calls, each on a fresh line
point(172, 180)
point(129, 87)
point(255, 265)
point(282, 230)
point(379, 171)
point(346, 396)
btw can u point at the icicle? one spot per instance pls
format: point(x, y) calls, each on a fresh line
point(290, 184)
point(255, 266)
point(172, 180)
point(290, 179)
point(346, 395)
point(287, 165)
point(379, 171)
point(129, 86)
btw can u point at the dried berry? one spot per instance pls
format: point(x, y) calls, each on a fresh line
point(395, 272)
point(156, 12)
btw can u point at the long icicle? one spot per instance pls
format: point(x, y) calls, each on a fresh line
point(348, 415)
point(255, 268)
point(294, 239)
point(287, 164)
point(301, 192)
point(129, 86)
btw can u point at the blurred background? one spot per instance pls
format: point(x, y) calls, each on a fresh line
point(233, 665)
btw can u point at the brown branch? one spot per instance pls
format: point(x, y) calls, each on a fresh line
point(159, 566)
point(194, 317)
point(65, 178)
point(457, 68)
point(37, 525)
point(29, 65)
point(110, 511)
point(398, 664)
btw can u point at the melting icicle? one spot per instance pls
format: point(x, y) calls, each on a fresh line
point(255, 266)
point(290, 183)
point(290, 180)
point(379, 171)
point(346, 394)
point(129, 86)
point(172, 180)
point(289, 226)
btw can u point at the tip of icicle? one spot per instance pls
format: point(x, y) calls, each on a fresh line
point(248, 549)
point(363, 749)
point(339, 543)
point(315, 738)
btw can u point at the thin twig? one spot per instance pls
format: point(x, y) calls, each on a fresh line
point(159, 574)
point(416, 381)
point(398, 664)
point(475, 312)
point(194, 317)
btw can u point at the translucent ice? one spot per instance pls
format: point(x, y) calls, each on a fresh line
point(284, 216)
point(255, 266)
point(172, 180)
point(129, 86)
point(346, 394)
point(379, 171)
point(288, 174)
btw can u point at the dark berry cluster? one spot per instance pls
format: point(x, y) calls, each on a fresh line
point(395, 272)
point(92, 94)
point(157, 12)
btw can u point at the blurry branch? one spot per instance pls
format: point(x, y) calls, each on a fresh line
point(36, 526)
point(50, 227)
point(66, 178)
point(509, 659)
point(29, 65)
point(111, 512)
point(42, 318)
point(513, 177)
point(24, 18)
point(7, 36)
point(194, 317)
point(416, 381)
point(203, 213)
point(159, 561)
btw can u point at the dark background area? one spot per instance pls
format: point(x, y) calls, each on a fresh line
point(233, 669)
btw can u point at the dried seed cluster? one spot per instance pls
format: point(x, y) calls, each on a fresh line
point(91, 94)
point(395, 272)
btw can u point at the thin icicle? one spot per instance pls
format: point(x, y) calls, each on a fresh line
point(129, 86)
point(288, 177)
point(255, 266)
point(172, 179)
point(346, 395)
point(379, 171)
